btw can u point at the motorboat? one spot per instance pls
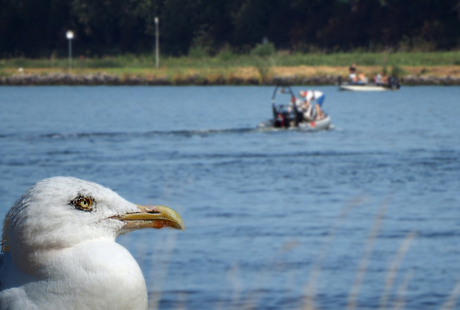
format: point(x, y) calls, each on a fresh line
point(393, 84)
point(288, 115)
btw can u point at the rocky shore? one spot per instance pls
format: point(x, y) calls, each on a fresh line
point(195, 79)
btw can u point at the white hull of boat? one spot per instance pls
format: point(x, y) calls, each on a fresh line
point(322, 124)
point(363, 88)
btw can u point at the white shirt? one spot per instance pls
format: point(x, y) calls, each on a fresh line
point(312, 95)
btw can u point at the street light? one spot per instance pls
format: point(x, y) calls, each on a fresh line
point(157, 44)
point(69, 36)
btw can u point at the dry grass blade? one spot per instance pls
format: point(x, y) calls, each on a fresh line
point(182, 298)
point(310, 289)
point(400, 301)
point(364, 262)
point(394, 266)
point(251, 301)
point(159, 270)
point(452, 300)
point(232, 275)
point(164, 248)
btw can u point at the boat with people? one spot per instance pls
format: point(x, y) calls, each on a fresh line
point(294, 115)
point(359, 82)
point(393, 84)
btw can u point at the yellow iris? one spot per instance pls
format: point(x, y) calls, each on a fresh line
point(84, 204)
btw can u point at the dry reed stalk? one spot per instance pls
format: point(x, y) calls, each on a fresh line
point(400, 302)
point(250, 302)
point(394, 266)
point(452, 300)
point(364, 262)
point(166, 248)
point(182, 297)
point(310, 289)
point(232, 275)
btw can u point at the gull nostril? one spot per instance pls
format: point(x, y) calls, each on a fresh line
point(152, 210)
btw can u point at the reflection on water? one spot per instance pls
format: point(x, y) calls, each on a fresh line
point(366, 213)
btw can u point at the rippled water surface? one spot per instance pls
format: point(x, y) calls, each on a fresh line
point(269, 214)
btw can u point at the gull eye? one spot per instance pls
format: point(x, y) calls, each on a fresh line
point(83, 203)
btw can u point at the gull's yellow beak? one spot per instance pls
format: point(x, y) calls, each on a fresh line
point(152, 217)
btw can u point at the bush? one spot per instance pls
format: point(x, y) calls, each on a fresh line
point(385, 70)
point(263, 50)
point(198, 52)
point(226, 53)
point(4, 73)
point(398, 71)
point(104, 63)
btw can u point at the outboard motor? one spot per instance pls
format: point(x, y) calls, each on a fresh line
point(393, 81)
point(281, 118)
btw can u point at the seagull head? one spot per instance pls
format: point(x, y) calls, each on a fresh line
point(63, 212)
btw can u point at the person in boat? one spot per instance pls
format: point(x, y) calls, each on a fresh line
point(294, 103)
point(307, 106)
point(307, 110)
point(301, 106)
point(378, 79)
point(354, 78)
point(381, 79)
point(362, 79)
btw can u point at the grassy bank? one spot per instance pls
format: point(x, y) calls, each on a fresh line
point(227, 59)
point(227, 68)
point(234, 75)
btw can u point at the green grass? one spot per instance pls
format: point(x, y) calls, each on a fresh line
point(228, 59)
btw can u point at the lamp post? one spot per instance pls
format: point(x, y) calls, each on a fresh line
point(157, 44)
point(69, 36)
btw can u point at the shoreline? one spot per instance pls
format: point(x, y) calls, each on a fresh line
point(301, 75)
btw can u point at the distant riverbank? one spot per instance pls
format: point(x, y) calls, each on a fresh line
point(300, 75)
point(227, 68)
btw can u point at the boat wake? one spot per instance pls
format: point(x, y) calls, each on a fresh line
point(128, 135)
point(184, 133)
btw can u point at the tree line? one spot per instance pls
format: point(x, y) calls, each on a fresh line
point(36, 28)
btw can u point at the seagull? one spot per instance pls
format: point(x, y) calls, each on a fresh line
point(59, 249)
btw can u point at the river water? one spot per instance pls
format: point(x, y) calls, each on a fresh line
point(365, 215)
